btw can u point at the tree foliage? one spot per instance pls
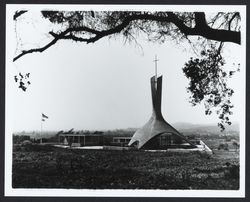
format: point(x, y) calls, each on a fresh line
point(208, 83)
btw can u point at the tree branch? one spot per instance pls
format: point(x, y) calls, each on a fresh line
point(201, 29)
point(36, 49)
point(232, 18)
point(18, 13)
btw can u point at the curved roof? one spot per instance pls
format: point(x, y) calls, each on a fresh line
point(153, 128)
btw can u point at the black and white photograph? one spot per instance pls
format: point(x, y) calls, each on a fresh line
point(125, 100)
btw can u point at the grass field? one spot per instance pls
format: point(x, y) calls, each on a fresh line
point(44, 166)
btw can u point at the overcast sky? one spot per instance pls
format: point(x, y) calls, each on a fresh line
point(105, 85)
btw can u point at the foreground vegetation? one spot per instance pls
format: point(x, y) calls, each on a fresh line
point(44, 166)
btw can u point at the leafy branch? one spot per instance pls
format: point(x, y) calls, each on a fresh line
point(208, 83)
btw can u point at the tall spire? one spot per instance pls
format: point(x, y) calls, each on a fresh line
point(155, 61)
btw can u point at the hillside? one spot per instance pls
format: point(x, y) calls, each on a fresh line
point(206, 128)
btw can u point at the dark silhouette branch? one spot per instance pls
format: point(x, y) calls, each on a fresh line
point(18, 14)
point(37, 49)
point(232, 18)
point(201, 28)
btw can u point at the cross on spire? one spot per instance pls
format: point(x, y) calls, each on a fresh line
point(155, 61)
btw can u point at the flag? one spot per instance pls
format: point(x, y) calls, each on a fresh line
point(44, 116)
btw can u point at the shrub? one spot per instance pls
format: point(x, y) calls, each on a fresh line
point(223, 146)
point(233, 172)
point(235, 145)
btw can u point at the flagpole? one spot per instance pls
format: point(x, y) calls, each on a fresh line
point(42, 119)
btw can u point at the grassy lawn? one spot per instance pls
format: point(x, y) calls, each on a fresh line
point(43, 166)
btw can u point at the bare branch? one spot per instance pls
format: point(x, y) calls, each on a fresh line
point(18, 13)
point(232, 18)
point(36, 49)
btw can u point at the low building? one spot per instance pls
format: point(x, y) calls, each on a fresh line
point(120, 141)
point(80, 140)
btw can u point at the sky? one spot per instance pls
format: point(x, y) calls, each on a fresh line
point(102, 86)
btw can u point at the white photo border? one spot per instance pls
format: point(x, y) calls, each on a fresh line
point(9, 191)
